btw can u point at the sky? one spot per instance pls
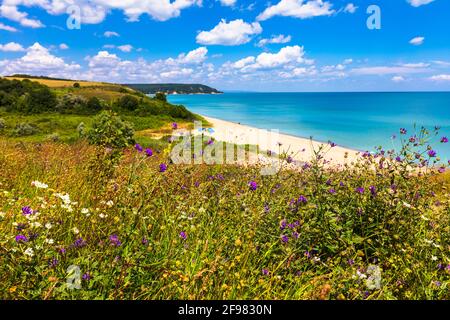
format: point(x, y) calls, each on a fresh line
point(245, 45)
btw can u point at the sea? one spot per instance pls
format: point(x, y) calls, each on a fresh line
point(360, 121)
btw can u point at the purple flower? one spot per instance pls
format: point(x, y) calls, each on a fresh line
point(432, 153)
point(21, 238)
point(79, 243)
point(351, 262)
point(283, 224)
point(210, 142)
point(114, 240)
point(444, 140)
point(86, 276)
point(183, 235)
point(403, 131)
point(265, 272)
point(62, 250)
point(360, 190)
point(26, 211)
point(162, 167)
point(53, 262)
point(285, 239)
point(398, 159)
point(302, 200)
point(138, 147)
point(266, 208)
point(289, 159)
point(253, 185)
point(295, 234)
point(373, 190)
point(441, 170)
point(332, 191)
point(149, 152)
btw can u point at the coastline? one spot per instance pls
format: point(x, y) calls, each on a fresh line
point(300, 149)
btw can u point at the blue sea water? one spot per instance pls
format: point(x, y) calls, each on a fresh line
point(357, 120)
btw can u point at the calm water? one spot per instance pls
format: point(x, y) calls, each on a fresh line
point(356, 120)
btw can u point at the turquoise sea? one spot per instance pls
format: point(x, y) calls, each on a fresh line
point(356, 120)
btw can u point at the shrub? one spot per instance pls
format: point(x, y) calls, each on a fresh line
point(25, 129)
point(161, 96)
point(71, 103)
point(94, 104)
point(54, 137)
point(109, 130)
point(76, 85)
point(128, 102)
point(2, 124)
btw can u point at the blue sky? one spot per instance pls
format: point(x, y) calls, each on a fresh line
point(278, 45)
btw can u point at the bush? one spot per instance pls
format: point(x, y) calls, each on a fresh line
point(128, 102)
point(161, 96)
point(110, 131)
point(94, 104)
point(2, 124)
point(71, 103)
point(76, 85)
point(25, 129)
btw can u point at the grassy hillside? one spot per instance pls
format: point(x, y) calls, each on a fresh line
point(170, 88)
point(61, 83)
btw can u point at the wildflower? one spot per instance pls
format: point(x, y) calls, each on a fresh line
point(86, 276)
point(351, 262)
point(149, 152)
point(265, 272)
point(441, 170)
point(432, 153)
point(398, 159)
point(253, 185)
point(295, 234)
point(174, 126)
point(84, 211)
point(21, 238)
point(373, 190)
point(289, 159)
point(444, 140)
point(183, 235)
point(79, 243)
point(283, 224)
point(144, 241)
point(332, 191)
point(138, 147)
point(53, 262)
point(49, 241)
point(114, 240)
point(285, 239)
point(266, 208)
point(162, 167)
point(210, 142)
point(2, 214)
point(110, 203)
point(75, 230)
point(403, 131)
point(29, 252)
point(26, 211)
point(39, 185)
point(360, 190)
point(302, 200)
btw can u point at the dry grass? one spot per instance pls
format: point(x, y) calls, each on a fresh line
point(64, 83)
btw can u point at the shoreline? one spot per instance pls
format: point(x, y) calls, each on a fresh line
point(299, 148)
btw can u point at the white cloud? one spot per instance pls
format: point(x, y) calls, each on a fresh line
point(194, 57)
point(386, 70)
point(228, 3)
point(417, 41)
point(11, 47)
point(8, 9)
point(233, 33)
point(7, 28)
point(95, 11)
point(398, 79)
point(441, 77)
point(275, 39)
point(418, 3)
point(441, 63)
point(350, 8)
point(63, 46)
point(415, 65)
point(39, 61)
point(125, 48)
point(109, 34)
point(298, 9)
point(348, 61)
point(243, 62)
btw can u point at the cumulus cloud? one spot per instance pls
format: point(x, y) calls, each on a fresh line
point(298, 9)
point(95, 11)
point(418, 3)
point(63, 46)
point(417, 41)
point(125, 48)
point(398, 79)
point(231, 33)
point(110, 34)
point(441, 77)
point(7, 28)
point(193, 57)
point(11, 47)
point(350, 8)
point(228, 3)
point(274, 39)
point(39, 61)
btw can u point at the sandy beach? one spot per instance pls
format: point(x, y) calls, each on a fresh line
point(300, 149)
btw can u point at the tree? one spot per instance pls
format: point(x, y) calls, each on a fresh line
point(161, 96)
point(128, 102)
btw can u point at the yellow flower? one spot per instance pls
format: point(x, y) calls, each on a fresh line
point(238, 242)
point(12, 289)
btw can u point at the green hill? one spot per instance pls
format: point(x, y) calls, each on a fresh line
point(171, 88)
